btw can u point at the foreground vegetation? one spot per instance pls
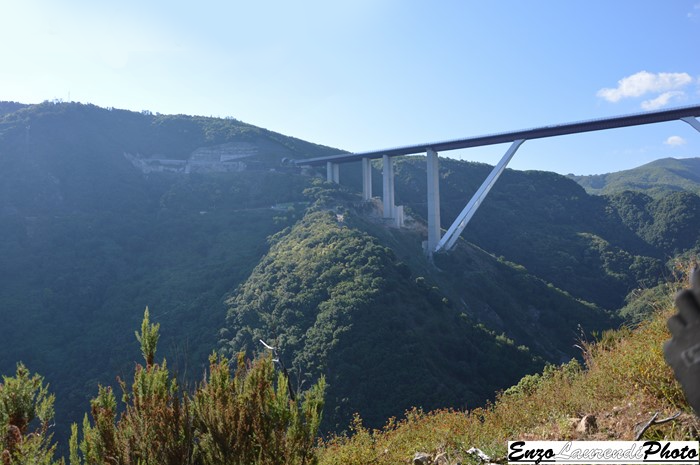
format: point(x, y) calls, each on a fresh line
point(250, 418)
point(253, 417)
point(624, 381)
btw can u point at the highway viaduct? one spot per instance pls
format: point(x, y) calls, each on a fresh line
point(436, 241)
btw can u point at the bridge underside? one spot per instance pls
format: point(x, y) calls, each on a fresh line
point(436, 241)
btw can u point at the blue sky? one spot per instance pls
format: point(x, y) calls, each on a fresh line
point(369, 74)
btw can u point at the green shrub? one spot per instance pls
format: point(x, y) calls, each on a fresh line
point(26, 412)
point(249, 418)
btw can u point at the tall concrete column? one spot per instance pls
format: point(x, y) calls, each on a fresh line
point(433, 170)
point(332, 172)
point(388, 185)
point(366, 178)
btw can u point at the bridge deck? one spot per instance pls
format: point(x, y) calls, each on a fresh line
point(526, 134)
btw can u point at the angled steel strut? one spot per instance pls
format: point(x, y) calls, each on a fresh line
point(450, 238)
point(693, 122)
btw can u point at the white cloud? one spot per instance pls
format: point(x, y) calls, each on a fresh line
point(662, 100)
point(643, 83)
point(694, 14)
point(675, 141)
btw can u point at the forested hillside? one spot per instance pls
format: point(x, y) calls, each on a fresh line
point(104, 212)
point(546, 223)
point(621, 392)
point(660, 176)
point(87, 241)
point(335, 298)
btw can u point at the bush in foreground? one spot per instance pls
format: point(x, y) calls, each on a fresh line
point(247, 418)
point(26, 412)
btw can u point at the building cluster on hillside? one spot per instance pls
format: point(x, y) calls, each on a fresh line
point(217, 159)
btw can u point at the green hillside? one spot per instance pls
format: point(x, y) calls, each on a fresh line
point(10, 107)
point(104, 212)
point(250, 416)
point(623, 385)
point(670, 222)
point(87, 241)
point(664, 175)
point(333, 296)
point(546, 223)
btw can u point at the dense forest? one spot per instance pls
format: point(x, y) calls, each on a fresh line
point(262, 250)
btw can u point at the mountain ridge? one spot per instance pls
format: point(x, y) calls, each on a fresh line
point(662, 175)
point(88, 240)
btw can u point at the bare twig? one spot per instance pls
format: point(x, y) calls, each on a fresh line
point(653, 422)
point(278, 360)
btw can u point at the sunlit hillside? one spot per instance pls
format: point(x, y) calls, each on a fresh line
point(619, 392)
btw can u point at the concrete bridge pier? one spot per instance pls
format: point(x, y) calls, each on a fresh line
point(333, 172)
point(433, 170)
point(388, 186)
point(438, 241)
point(366, 179)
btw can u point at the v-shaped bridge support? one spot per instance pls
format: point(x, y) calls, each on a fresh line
point(448, 241)
point(693, 122)
point(450, 238)
point(437, 243)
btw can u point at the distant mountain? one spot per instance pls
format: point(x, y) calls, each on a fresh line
point(664, 175)
point(105, 211)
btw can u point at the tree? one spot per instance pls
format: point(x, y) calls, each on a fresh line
point(245, 419)
point(26, 412)
point(251, 419)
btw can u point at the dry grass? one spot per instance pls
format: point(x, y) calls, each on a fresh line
point(625, 381)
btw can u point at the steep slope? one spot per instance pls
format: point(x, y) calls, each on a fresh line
point(664, 175)
point(334, 298)
point(670, 222)
point(103, 212)
point(624, 384)
point(546, 223)
point(87, 240)
point(66, 157)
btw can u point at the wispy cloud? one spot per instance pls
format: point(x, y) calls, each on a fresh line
point(695, 12)
point(675, 141)
point(662, 100)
